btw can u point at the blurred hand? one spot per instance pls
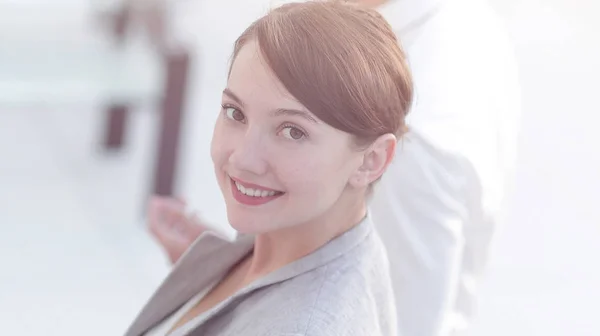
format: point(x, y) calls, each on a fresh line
point(171, 226)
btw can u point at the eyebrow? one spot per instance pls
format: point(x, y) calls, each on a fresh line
point(277, 113)
point(233, 96)
point(295, 113)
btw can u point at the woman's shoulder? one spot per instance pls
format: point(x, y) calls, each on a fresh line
point(351, 294)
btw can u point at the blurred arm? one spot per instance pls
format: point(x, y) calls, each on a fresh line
point(424, 211)
point(438, 205)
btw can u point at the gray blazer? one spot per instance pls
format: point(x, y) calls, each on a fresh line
point(343, 288)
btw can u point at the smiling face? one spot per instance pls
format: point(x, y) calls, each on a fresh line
point(277, 164)
point(310, 117)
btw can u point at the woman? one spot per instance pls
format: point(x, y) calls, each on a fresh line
point(315, 101)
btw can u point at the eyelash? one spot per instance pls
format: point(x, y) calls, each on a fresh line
point(282, 127)
point(224, 108)
point(291, 126)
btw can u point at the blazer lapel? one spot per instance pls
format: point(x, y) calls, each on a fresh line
point(209, 258)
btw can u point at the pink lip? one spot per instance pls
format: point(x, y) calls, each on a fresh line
point(251, 200)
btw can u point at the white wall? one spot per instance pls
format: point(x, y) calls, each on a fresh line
point(544, 274)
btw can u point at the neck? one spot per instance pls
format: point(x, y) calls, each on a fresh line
point(273, 250)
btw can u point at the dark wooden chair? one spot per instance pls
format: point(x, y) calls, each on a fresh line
point(176, 65)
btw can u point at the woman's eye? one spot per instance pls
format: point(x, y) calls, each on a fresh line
point(234, 114)
point(292, 133)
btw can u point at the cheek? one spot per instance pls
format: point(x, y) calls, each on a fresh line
point(218, 147)
point(315, 175)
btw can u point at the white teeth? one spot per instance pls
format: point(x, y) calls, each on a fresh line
point(253, 192)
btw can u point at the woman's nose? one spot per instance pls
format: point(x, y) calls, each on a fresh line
point(248, 155)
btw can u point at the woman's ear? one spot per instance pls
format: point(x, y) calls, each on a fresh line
point(376, 158)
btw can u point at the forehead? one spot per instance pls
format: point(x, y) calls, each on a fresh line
point(255, 83)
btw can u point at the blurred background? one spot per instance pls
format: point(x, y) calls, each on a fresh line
point(92, 121)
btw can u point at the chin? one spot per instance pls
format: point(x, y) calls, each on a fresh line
point(245, 224)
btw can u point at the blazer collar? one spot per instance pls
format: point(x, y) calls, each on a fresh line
point(210, 257)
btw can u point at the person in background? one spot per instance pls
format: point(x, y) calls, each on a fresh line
point(306, 127)
point(442, 198)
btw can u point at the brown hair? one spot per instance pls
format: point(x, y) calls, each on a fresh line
point(341, 61)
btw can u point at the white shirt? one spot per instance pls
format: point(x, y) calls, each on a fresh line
point(163, 328)
point(446, 187)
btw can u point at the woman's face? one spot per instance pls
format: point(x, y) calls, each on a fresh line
point(277, 164)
